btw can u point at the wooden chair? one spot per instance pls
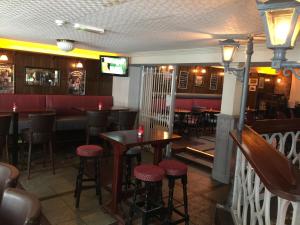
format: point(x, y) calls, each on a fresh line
point(97, 122)
point(19, 207)
point(194, 122)
point(41, 132)
point(4, 133)
point(126, 120)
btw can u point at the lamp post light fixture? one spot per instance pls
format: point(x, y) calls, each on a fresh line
point(281, 24)
point(229, 47)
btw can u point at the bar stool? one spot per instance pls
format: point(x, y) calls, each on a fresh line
point(176, 170)
point(151, 176)
point(86, 152)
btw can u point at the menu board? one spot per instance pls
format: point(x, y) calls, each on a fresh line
point(6, 78)
point(76, 82)
point(213, 82)
point(183, 80)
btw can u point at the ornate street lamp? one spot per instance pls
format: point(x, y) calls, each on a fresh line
point(281, 24)
point(229, 47)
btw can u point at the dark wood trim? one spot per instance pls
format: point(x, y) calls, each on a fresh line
point(275, 171)
point(276, 126)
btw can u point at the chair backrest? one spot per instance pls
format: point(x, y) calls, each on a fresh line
point(42, 123)
point(126, 120)
point(18, 207)
point(194, 118)
point(42, 127)
point(97, 118)
point(4, 124)
point(8, 177)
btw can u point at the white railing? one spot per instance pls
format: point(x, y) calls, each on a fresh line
point(156, 98)
point(252, 202)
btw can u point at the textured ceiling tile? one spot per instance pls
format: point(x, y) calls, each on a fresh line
point(130, 25)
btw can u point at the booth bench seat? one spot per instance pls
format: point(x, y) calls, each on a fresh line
point(188, 102)
point(68, 118)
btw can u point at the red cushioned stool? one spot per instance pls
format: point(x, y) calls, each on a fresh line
point(151, 176)
point(87, 152)
point(176, 170)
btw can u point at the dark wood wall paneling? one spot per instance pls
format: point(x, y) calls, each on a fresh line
point(270, 87)
point(204, 89)
point(95, 83)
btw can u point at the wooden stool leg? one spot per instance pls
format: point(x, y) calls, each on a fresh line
point(6, 148)
point(132, 208)
point(185, 199)
point(146, 206)
point(45, 154)
point(29, 161)
point(98, 180)
point(171, 184)
point(80, 176)
point(52, 156)
point(128, 172)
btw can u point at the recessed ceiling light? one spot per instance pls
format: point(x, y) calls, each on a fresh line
point(87, 28)
point(60, 22)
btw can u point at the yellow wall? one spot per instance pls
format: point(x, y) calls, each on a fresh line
point(50, 49)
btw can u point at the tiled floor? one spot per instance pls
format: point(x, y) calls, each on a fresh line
point(56, 195)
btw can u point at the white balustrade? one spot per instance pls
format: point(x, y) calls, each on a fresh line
point(252, 202)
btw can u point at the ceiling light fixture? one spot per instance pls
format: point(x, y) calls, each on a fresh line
point(65, 44)
point(281, 23)
point(60, 22)
point(3, 57)
point(87, 28)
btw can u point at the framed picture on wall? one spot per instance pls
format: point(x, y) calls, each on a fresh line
point(42, 77)
point(7, 78)
point(76, 82)
point(213, 82)
point(199, 81)
point(183, 80)
point(252, 88)
point(253, 81)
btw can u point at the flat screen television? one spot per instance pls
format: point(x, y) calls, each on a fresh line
point(114, 65)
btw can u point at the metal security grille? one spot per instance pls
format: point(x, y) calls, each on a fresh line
point(157, 98)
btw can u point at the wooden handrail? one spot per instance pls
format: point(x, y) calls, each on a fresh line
point(276, 125)
point(278, 175)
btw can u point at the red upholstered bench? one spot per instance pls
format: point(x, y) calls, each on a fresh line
point(67, 117)
point(189, 103)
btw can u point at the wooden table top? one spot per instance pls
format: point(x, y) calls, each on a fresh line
point(110, 108)
point(28, 111)
point(130, 138)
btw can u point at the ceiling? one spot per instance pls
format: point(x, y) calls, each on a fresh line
point(130, 25)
